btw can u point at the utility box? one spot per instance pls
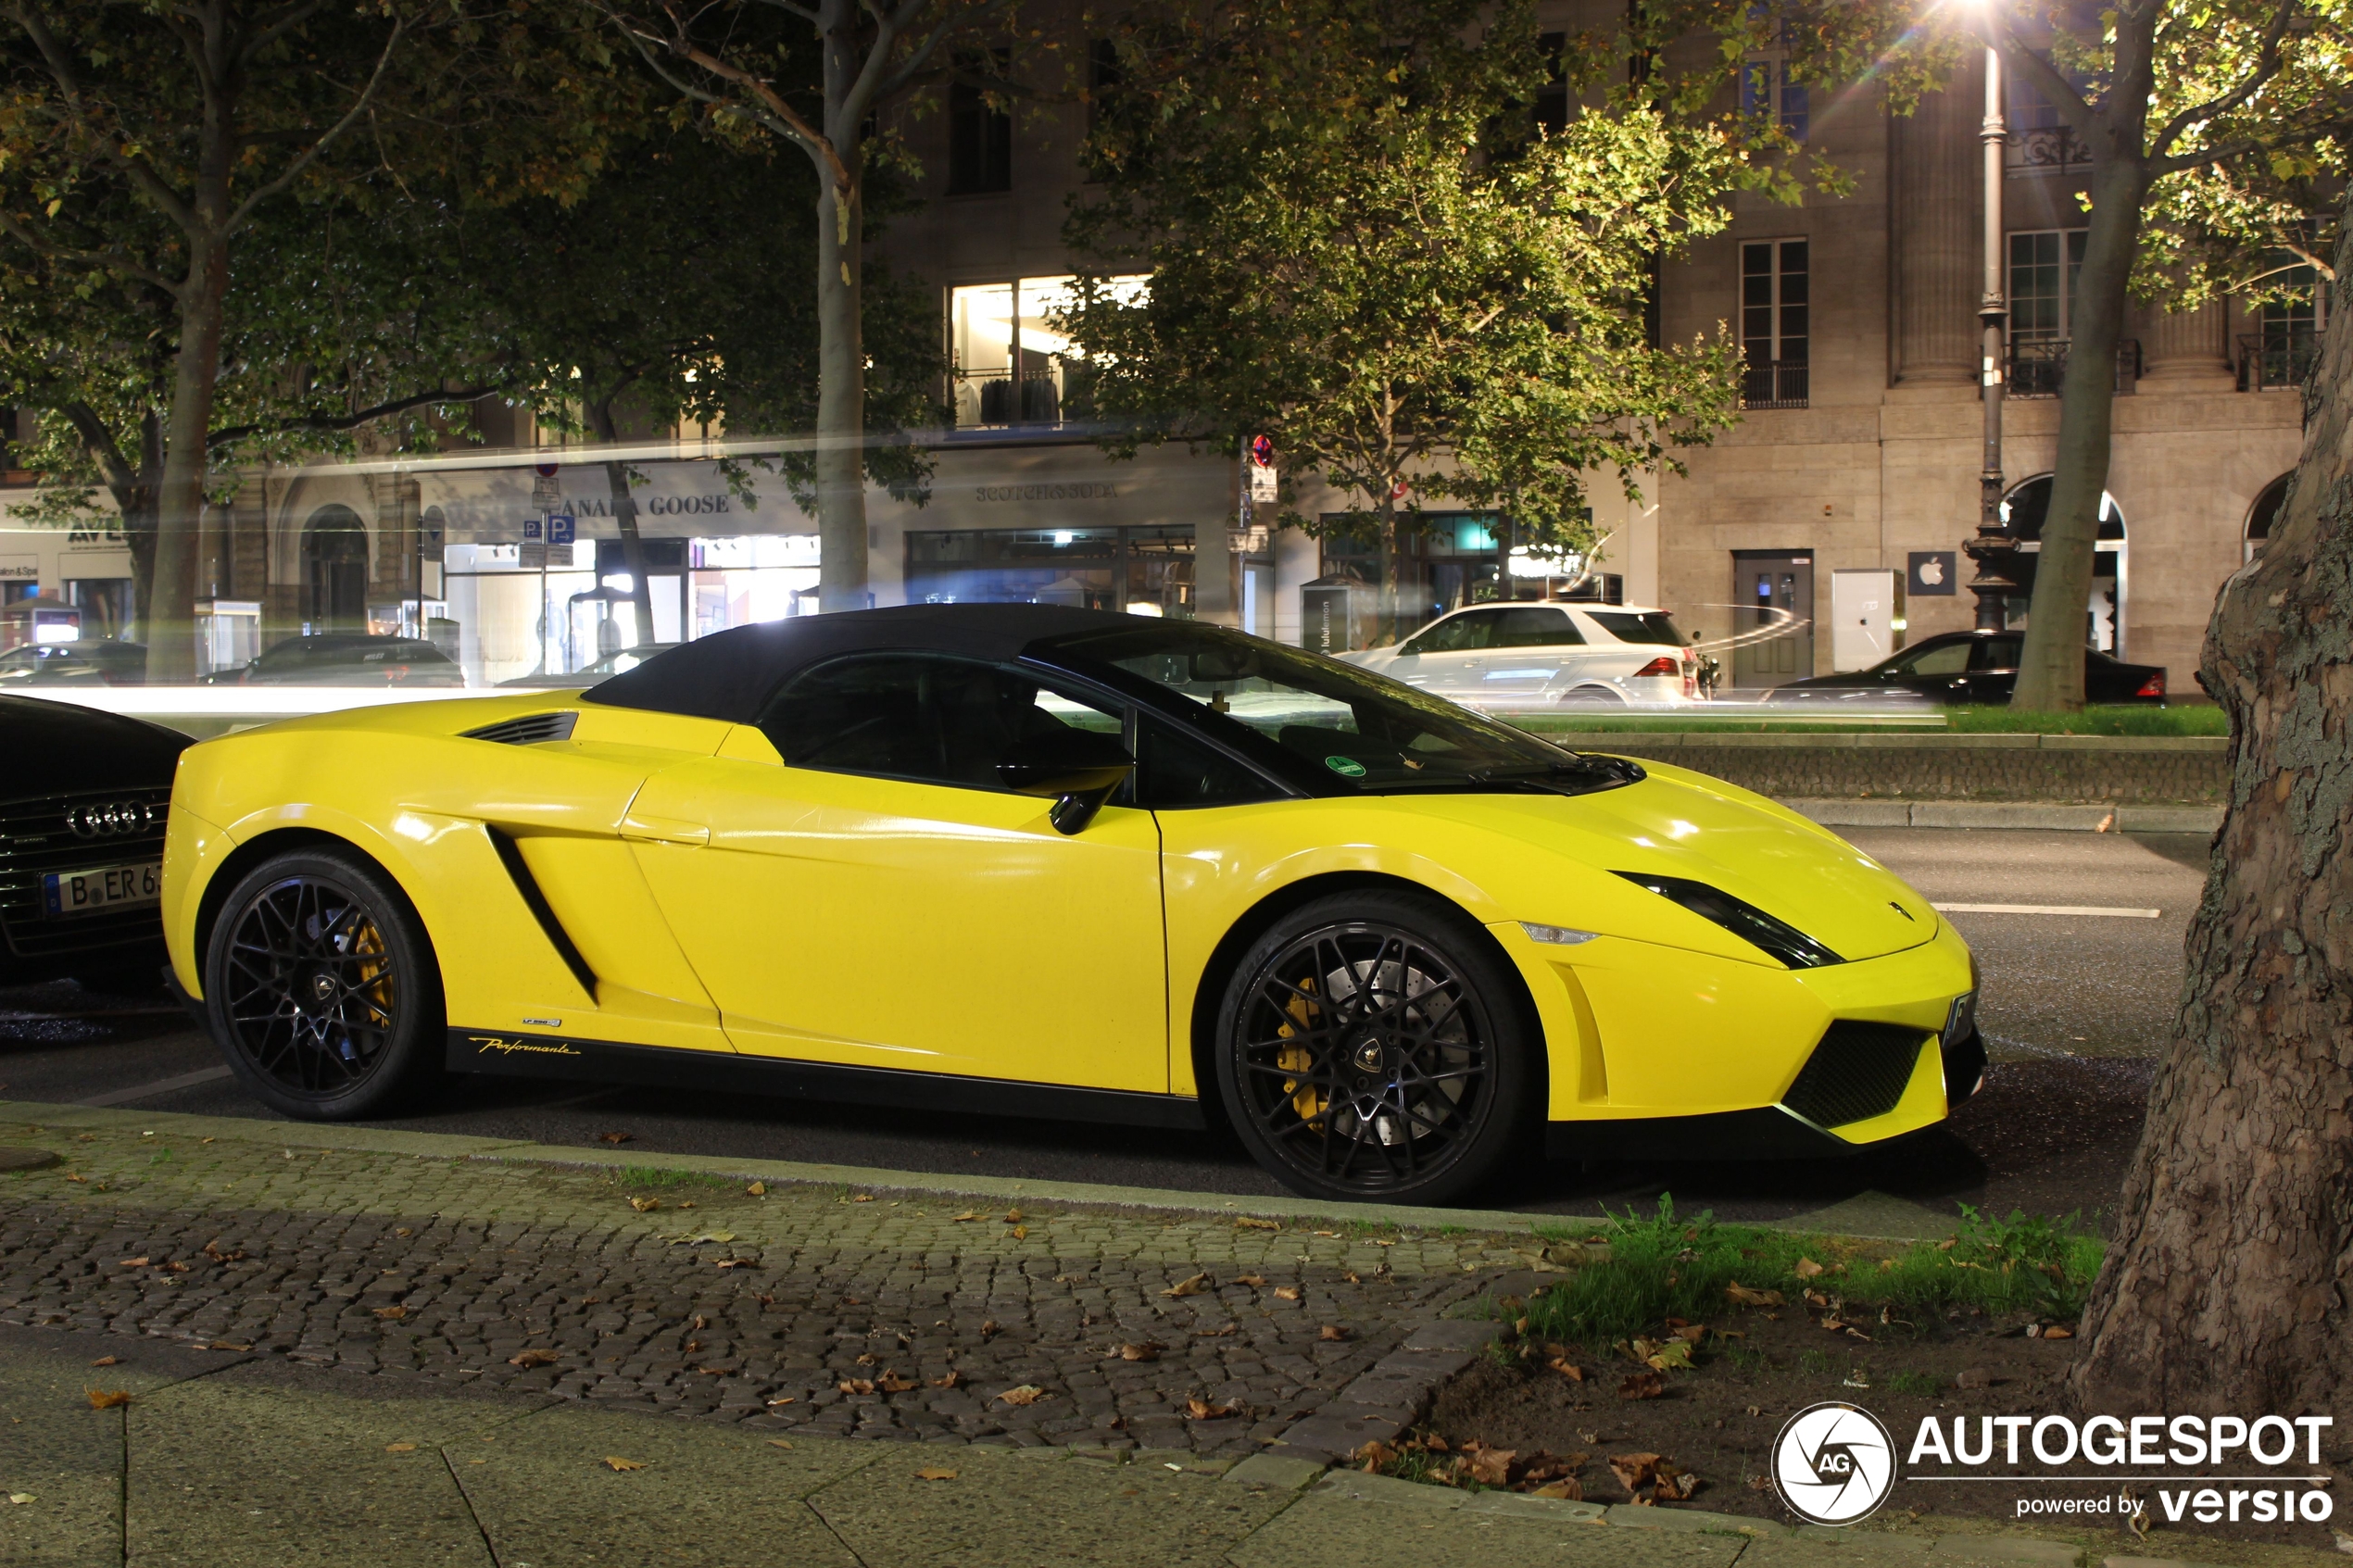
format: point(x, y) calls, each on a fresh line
point(1867, 616)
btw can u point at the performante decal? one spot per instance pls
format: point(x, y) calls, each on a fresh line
point(486, 1044)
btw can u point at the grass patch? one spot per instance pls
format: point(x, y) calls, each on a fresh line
point(650, 1178)
point(1664, 1266)
point(1924, 1384)
point(2119, 719)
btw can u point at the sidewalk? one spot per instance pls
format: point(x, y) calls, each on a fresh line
point(352, 1345)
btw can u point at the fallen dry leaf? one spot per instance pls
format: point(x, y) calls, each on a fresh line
point(780, 1442)
point(866, 1359)
point(534, 1357)
point(1191, 1286)
point(1334, 1235)
point(891, 1383)
point(1332, 1333)
point(1566, 1490)
point(757, 1189)
point(1027, 1394)
point(987, 1327)
point(618, 1138)
point(1490, 1467)
point(1202, 1409)
point(134, 1263)
point(1148, 1351)
point(1634, 1470)
point(403, 1230)
point(392, 1314)
point(106, 1398)
point(861, 1197)
point(948, 1380)
point(1253, 1281)
point(400, 1448)
point(1020, 1233)
point(614, 1461)
point(1252, 1222)
point(107, 1360)
point(1287, 1292)
point(1567, 1369)
point(644, 1205)
point(933, 1473)
point(856, 1384)
point(969, 1214)
point(22, 1497)
point(1013, 1216)
point(1742, 1295)
point(787, 1399)
point(2056, 1331)
point(1643, 1386)
point(227, 1345)
point(1807, 1269)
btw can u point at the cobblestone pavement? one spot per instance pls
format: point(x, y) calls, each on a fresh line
point(836, 1311)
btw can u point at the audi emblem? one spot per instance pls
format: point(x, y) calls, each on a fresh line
point(113, 819)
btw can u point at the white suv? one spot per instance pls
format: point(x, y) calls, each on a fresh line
point(1538, 656)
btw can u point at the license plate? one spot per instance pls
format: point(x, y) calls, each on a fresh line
point(85, 893)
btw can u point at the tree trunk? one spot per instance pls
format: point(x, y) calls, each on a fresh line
point(2050, 673)
point(172, 622)
point(2226, 1287)
point(625, 518)
point(1391, 572)
point(841, 355)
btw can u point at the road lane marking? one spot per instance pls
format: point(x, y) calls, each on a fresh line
point(160, 1087)
point(2047, 909)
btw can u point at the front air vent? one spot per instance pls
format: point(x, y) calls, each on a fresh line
point(1857, 1072)
point(1744, 919)
point(529, 730)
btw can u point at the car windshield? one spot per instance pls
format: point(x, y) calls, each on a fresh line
point(1362, 730)
point(1639, 626)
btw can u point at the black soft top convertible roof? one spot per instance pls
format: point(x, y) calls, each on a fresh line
point(731, 674)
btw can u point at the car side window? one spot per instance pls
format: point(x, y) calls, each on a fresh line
point(1949, 658)
point(1173, 771)
point(1997, 653)
point(1536, 628)
point(924, 718)
point(1458, 633)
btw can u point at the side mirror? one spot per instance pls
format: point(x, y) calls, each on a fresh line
point(1076, 768)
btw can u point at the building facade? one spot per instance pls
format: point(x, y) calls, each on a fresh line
point(1858, 447)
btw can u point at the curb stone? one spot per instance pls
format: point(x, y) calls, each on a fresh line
point(2014, 814)
point(1280, 1472)
point(1633, 1516)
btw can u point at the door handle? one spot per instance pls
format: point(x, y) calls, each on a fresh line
point(664, 830)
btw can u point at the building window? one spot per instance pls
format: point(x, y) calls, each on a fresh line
point(2043, 264)
point(1552, 99)
point(1766, 93)
point(1774, 324)
point(2041, 140)
point(2291, 319)
point(980, 138)
point(1009, 365)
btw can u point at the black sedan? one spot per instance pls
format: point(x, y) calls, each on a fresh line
point(101, 663)
point(346, 658)
point(81, 820)
point(1970, 666)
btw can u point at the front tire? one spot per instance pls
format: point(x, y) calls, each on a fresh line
point(322, 988)
point(1375, 1046)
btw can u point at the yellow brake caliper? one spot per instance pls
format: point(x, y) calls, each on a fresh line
point(1305, 1098)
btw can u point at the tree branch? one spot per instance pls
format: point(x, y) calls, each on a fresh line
point(99, 442)
point(113, 261)
point(55, 59)
point(292, 171)
point(2267, 66)
point(818, 145)
point(231, 435)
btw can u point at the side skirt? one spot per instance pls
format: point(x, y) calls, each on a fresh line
point(547, 1056)
point(1768, 1133)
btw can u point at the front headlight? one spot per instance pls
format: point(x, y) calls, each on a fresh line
point(1745, 921)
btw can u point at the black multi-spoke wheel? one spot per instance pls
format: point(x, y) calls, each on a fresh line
point(1372, 1046)
point(321, 987)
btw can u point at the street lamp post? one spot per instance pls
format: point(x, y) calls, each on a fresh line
point(1991, 550)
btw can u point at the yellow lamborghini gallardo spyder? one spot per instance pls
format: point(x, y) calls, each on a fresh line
point(1033, 860)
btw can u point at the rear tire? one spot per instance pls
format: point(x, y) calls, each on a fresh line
point(1592, 697)
point(322, 987)
point(1375, 1046)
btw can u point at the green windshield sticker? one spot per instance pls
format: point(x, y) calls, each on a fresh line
point(1346, 767)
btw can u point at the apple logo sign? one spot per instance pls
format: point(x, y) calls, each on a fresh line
point(1933, 571)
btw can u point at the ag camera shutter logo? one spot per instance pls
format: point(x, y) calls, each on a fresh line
point(1834, 1463)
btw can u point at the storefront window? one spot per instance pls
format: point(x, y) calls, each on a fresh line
point(1009, 366)
point(1142, 571)
point(742, 581)
point(1456, 560)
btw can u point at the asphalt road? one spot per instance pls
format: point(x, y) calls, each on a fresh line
point(2076, 1008)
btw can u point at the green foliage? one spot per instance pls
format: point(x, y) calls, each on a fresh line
point(1664, 1266)
point(1925, 1385)
point(1346, 255)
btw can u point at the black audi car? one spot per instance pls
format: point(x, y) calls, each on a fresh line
point(1970, 666)
point(83, 798)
